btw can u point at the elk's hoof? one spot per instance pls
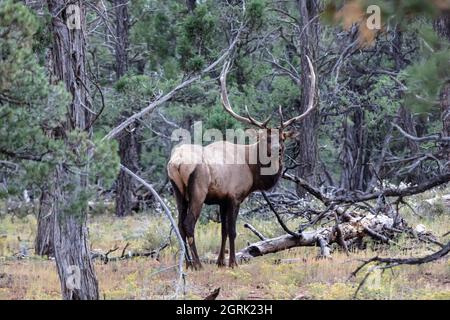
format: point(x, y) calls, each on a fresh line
point(198, 266)
point(233, 264)
point(189, 265)
point(221, 263)
point(194, 266)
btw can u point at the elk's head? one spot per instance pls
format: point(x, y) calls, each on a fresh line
point(273, 138)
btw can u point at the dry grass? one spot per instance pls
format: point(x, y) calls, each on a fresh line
point(263, 278)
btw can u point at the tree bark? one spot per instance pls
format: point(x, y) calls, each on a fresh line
point(307, 130)
point(128, 144)
point(73, 260)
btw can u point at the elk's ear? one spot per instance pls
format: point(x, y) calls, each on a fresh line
point(289, 134)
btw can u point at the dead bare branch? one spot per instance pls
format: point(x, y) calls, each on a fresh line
point(361, 197)
point(433, 137)
point(255, 231)
point(280, 221)
point(182, 245)
point(154, 104)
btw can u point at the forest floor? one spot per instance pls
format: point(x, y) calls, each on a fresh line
point(292, 274)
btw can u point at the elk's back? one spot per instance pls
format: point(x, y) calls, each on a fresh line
point(224, 171)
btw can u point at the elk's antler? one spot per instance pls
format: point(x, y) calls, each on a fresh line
point(311, 104)
point(226, 103)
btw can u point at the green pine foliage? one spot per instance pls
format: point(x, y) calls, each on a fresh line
point(424, 78)
point(29, 105)
point(31, 109)
point(197, 33)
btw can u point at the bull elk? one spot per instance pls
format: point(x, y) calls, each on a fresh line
point(210, 180)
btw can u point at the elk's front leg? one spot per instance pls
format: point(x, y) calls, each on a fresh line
point(231, 219)
point(223, 222)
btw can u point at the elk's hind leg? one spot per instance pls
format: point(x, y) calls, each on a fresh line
point(232, 214)
point(197, 191)
point(223, 222)
point(193, 213)
point(182, 206)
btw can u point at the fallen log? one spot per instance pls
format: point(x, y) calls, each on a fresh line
point(356, 227)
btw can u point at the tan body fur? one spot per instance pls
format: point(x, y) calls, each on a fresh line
point(221, 180)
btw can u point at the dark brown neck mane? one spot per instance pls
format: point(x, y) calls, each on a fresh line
point(265, 182)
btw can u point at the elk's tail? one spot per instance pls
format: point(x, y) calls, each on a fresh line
point(173, 171)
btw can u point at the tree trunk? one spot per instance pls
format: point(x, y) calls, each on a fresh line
point(307, 130)
point(128, 144)
point(354, 174)
point(191, 4)
point(442, 27)
point(122, 42)
point(128, 148)
point(405, 117)
point(69, 209)
point(43, 244)
point(445, 115)
point(73, 257)
point(406, 121)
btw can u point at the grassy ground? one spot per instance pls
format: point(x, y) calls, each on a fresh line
point(263, 278)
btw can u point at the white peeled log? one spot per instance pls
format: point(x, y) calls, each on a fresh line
point(420, 228)
point(356, 227)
